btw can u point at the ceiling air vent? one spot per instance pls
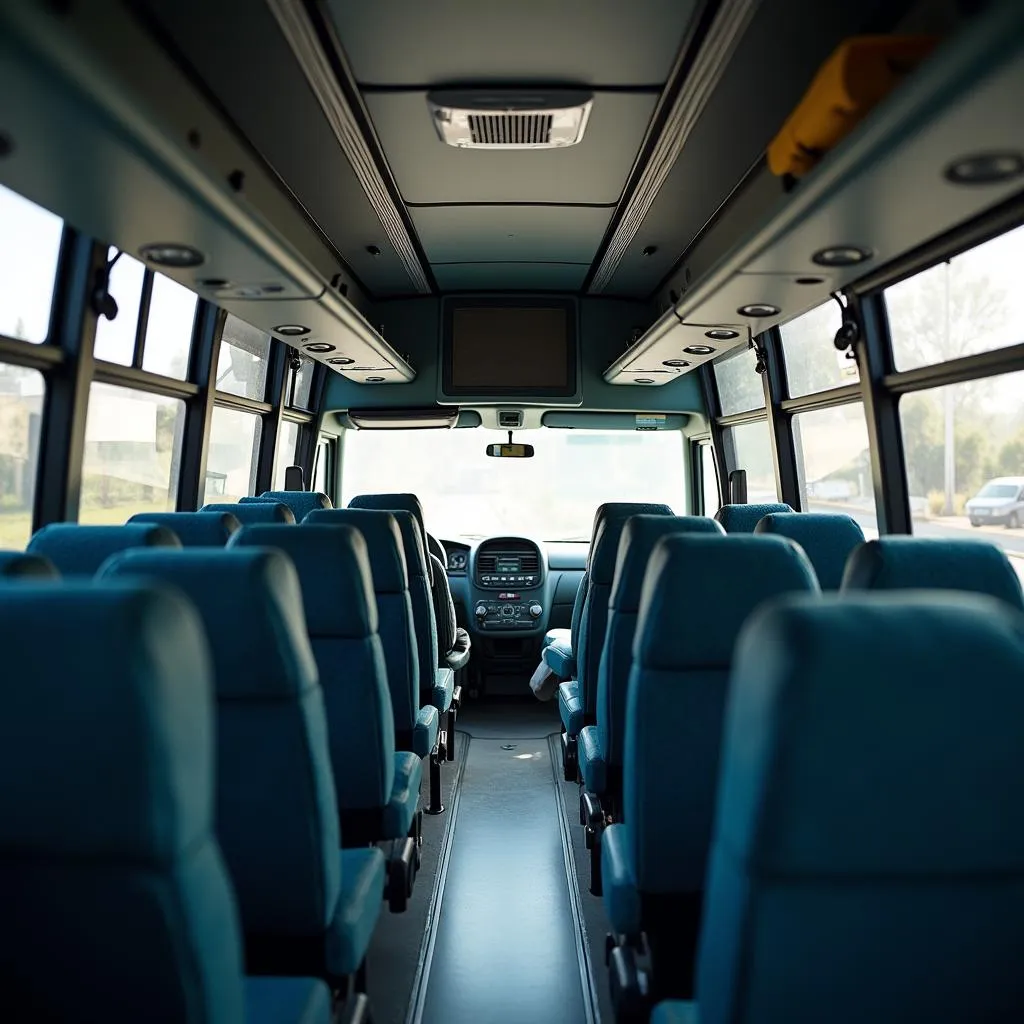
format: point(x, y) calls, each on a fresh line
point(510, 119)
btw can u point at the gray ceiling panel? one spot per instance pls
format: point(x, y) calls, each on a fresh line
point(409, 42)
point(428, 171)
point(753, 99)
point(465, 234)
point(560, 277)
point(282, 119)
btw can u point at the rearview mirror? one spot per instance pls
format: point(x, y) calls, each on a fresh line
point(510, 451)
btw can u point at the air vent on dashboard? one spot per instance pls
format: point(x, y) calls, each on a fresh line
point(508, 564)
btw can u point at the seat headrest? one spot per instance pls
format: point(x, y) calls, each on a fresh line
point(255, 512)
point(827, 539)
point(877, 734)
point(901, 563)
point(106, 744)
point(383, 542)
point(416, 561)
point(300, 502)
point(334, 573)
point(639, 536)
point(393, 503)
point(604, 542)
point(18, 565)
point(744, 518)
point(700, 589)
point(194, 529)
point(250, 602)
point(436, 548)
point(80, 550)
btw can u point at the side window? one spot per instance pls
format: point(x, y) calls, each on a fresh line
point(753, 450)
point(21, 410)
point(710, 491)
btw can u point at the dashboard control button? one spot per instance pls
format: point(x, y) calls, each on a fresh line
point(536, 609)
point(481, 611)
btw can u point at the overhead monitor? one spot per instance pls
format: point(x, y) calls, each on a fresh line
point(516, 349)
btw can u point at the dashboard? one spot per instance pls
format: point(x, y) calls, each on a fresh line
point(514, 587)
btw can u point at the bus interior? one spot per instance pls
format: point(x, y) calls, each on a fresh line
point(511, 511)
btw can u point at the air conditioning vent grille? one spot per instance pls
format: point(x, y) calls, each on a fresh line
point(490, 559)
point(510, 129)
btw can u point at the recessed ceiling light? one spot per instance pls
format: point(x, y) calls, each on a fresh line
point(810, 280)
point(374, 380)
point(291, 330)
point(841, 256)
point(341, 361)
point(318, 346)
point(699, 350)
point(758, 309)
point(721, 334)
point(643, 380)
point(985, 168)
point(171, 254)
point(674, 362)
point(214, 282)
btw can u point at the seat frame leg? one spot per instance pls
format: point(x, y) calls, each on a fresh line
point(593, 818)
point(435, 806)
point(570, 758)
point(401, 868)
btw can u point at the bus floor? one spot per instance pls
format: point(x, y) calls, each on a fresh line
point(495, 930)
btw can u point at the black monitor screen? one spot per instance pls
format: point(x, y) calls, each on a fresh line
point(495, 349)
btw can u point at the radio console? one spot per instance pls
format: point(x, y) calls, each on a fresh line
point(507, 610)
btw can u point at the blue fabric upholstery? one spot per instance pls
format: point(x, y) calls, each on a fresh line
point(593, 766)
point(901, 563)
point(424, 732)
point(194, 529)
point(287, 1001)
point(869, 847)
point(251, 513)
point(677, 691)
point(618, 879)
point(639, 535)
point(19, 565)
point(341, 620)
point(405, 794)
point(675, 1011)
point(827, 539)
point(80, 550)
point(444, 688)
point(744, 518)
point(570, 707)
point(394, 503)
point(559, 658)
point(116, 904)
point(362, 888)
point(610, 519)
point(300, 502)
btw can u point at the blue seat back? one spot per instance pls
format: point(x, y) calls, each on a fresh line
point(609, 521)
point(393, 503)
point(827, 539)
point(341, 621)
point(116, 903)
point(744, 518)
point(869, 846)
point(699, 591)
point(901, 563)
point(253, 512)
point(80, 550)
point(19, 565)
point(394, 603)
point(300, 502)
point(277, 814)
point(194, 529)
point(639, 535)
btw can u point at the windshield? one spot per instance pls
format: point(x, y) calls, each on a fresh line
point(552, 496)
point(998, 491)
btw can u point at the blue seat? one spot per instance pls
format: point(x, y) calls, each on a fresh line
point(19, 565)
point(827, 539)
point(698, 592)
point(377, 787)
point(744, 518)
point(901, 563)
point(277, 818)
point(868, 857)
point(254, 512)
point(194, 529)
point(80, 550)
point(300, 502)
point(415, 726)
point(577, 701)
point(601, 745)
point(116, 903)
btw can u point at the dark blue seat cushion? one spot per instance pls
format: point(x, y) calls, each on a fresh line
point(194, 529)
point(869, 834)
point(287, 1001)
point(826, 537)
point(80, 550)
point(362, 889)
point(19, 565)
point(901, 563)
point(744, 518)
point(251, 513)
point(405, 795)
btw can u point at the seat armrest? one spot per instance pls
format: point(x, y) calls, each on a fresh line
point(621, 897)
point(562, 636)
point(559, 658)
point(444, 688)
